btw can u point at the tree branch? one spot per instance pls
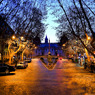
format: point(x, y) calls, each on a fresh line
point(86, 18)
point(88, 8)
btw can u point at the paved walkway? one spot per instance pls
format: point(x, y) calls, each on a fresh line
point(65, 79)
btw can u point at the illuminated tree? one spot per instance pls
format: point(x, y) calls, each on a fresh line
point(5, 33)
point(14, 46)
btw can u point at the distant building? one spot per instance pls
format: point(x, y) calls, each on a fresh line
point(5, 30)
point(43, 49)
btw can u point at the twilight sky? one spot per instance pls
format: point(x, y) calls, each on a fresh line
point(50, 31)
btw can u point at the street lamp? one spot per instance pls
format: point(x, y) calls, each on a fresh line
point(22, 38)
point(88, 38)
point(63, 45)
point(23, 46)
point(35, 47)
point(13, 37)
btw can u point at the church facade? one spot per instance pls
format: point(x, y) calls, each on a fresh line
point(45, 48)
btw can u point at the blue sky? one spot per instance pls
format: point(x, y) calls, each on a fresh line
point(50, 31)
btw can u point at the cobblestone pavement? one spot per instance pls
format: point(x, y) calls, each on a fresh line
point(65, 79)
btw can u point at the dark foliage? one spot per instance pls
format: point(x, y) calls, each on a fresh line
point(63, 39)
point(36, 41)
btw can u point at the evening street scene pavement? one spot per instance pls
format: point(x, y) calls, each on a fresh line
point(65, 79)
point(47, 47)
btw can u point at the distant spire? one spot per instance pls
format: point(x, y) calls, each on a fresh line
point(49, 45)
point(46, 39)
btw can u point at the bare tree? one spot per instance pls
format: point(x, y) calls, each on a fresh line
point(21, 18)
point(20, 15)
point(73, 31)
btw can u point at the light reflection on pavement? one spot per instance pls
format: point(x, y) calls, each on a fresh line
point(64, 79)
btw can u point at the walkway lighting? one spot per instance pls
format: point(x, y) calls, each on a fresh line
point(63, 45)
point(13, 37)
point(23, 46)
point(22, 38)
point(88, 38)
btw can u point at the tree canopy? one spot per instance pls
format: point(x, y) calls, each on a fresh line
point(25, 17)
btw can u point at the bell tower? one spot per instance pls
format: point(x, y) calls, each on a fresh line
point(46, 40)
